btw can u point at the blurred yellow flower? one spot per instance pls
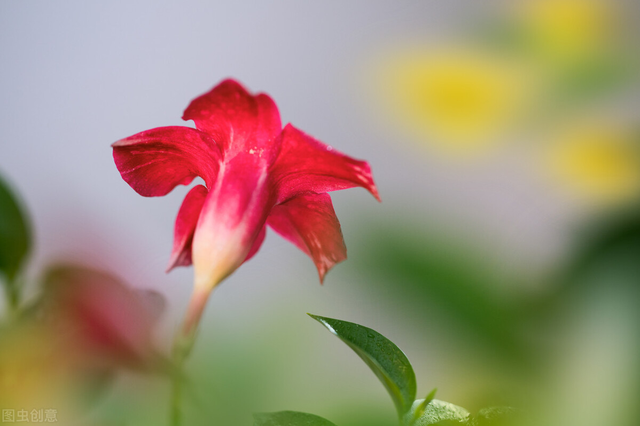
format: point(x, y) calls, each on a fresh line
point(564, 29)
point(460, 100)
point(596, 163)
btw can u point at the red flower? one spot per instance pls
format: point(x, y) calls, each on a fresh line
point(255, 172)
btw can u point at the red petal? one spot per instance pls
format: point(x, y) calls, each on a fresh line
point(257, 243)
point(305, 164)
point(153, 162)
point(185, 227)
point(236, 120)
point(310, 222)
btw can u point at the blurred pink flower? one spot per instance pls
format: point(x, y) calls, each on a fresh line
point(105, 322)
point(255, 172)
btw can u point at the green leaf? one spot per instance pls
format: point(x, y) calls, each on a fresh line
point(289, 418)
point(15, 237)
point(386, 360)
point(496, 416)
point(423, 405)
point(436, 412)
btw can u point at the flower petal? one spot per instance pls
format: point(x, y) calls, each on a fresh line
point(155, 161)
point(185, 227)
point(310, 222)
point(232, 218)
point(257, 243)
point(305, 164)
point(236, 120)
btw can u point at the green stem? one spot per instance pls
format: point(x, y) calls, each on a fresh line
point(13, 295)
point(182, 346)
point(177, 383)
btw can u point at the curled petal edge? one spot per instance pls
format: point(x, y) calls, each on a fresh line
point(309, 221)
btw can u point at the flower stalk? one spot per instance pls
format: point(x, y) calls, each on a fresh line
point(182, 346)
point(181, 349)
point(12, 294)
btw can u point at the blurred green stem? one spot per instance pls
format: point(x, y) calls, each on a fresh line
point(179, 357)
point(182, 345)
point(12, 290)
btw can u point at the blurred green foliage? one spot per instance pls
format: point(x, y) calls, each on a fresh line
point(15, 240)
point(448, 281)
point(433, 276)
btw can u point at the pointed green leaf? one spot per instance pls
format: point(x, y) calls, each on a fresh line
point(386, 360)
point(289, 418)
point(423, 405)
point(436, 412)
point(15, 238)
